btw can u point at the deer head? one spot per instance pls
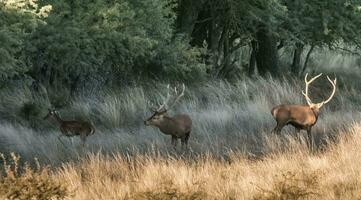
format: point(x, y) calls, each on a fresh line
point(317, 106)
point(52, 114)
point(160, 111)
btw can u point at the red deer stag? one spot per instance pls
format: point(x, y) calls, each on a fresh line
point(178, 126)
point(301, 116)
point(71, 128)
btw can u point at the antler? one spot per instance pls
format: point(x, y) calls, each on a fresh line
point(309, 102)
point(164, 106)
point(177, 96)
point(333, 83)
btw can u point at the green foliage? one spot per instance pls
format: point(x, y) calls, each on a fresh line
point(16, 24)
point(323, 22)
point(19, 19)
point(89, 44)
point(108, 41)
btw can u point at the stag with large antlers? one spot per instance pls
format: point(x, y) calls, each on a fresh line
point(71, 128)
point(302, 117)
point(178, 126)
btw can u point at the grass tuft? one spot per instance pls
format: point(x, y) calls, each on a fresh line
point(25, 183)
point(292, 186)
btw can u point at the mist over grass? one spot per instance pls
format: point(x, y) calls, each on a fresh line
point(232, 153)
point(227, 117)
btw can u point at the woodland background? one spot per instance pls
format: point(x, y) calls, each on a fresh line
point(77, 45)
point(105, 60)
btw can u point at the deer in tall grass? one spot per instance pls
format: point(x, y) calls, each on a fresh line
point(302, 117)
point(71, 128)
point(178, 126)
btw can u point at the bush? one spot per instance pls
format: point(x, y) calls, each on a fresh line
point(111, 43)
point(29, 183)
point(292, 186)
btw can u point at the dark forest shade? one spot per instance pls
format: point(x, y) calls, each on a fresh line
point(267, 56)
point(113, 43)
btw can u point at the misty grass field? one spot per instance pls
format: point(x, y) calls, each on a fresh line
point(70, 67)
point(232, 153)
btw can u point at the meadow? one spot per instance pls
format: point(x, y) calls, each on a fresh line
point(107, 61)
point(232, 153)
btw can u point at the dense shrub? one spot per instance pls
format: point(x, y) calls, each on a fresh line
point(110, 42)
point(26, 183)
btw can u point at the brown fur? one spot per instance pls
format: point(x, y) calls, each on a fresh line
point(178, 126)
point(72, 128)
point(302, 117)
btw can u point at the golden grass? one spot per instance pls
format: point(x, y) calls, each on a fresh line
point(24, 183)
point(332, 174)
point(294, 174)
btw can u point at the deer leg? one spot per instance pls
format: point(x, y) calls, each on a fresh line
point(310, 138)
point(278, 128)
point(61, 135)
point(174, 141)
point(83, 139)
point(185, 139)
point(297, 130)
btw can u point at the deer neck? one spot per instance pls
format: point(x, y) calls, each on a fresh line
point(166, 125)
point(58, 120)
point(316, 112)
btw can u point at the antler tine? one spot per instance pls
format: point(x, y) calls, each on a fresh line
point(333, 83)
point(178, 96)
point(308, 99)
point(164, 106)
point(312, 79)
point(151, 106)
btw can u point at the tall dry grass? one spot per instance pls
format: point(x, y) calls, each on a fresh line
point(226, 116)
point(293, 174)
point(232, 154)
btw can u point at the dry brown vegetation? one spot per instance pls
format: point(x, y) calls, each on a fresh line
point(24, 183)
point(296, 174)
point(292, 172)
point(232, 154)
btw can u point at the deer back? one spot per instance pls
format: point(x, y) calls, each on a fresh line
point(298, 114)
point(78, 127)
point(177, 125)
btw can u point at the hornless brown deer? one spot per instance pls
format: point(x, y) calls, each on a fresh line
point(178, 126)
point(301, 116)
point(71, 128)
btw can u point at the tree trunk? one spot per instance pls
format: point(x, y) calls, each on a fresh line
point(307, 58)
point(252, 59)
point(226, 57)
point(201, 28)
point(188, 11)
point(296, 64)
point(267, 54)
point(213, 37)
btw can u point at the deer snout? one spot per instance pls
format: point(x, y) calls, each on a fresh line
point(146, 123)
